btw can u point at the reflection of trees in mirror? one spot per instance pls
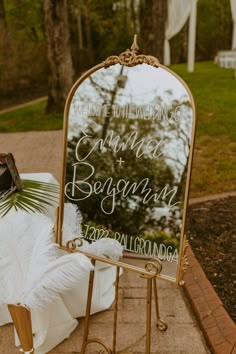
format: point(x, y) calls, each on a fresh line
point(128, 147)
point(176, 134)
point(169, 108)
point(111, 96)
point(125, 212)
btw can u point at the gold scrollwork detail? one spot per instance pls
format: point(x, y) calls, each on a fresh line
point(184, 263)
point(72, 245)
point(131, 58)
point(154, 266)
point(161, 325)
point(100, 342)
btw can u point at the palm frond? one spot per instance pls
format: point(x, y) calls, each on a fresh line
point(36, 196)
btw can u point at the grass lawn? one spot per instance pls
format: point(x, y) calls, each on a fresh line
point(214, 91)
point(30, 118)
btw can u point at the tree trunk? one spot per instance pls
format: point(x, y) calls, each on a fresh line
point(153, 21)
point(88, 32)
point(133, 17)
point(61, 72)
point(3, 23)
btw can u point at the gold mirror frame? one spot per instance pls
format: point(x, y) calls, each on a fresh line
point(128, 58)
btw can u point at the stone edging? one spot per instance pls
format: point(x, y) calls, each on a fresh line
point(218, 327)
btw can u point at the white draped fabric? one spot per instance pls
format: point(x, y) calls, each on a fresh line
point(55, 320)
point(233, 10)
point(178, 13)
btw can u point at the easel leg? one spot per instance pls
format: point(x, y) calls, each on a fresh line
point(22, 321)
point(116, 308)
point(148, 315)
point(88, 309)
point(162, 326)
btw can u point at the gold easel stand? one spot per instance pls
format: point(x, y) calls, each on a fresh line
point(152, 269)
point(22, 321)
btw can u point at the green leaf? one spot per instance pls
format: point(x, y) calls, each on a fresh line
point(36, 196)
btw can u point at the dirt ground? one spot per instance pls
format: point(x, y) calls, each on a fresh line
point(211, 230)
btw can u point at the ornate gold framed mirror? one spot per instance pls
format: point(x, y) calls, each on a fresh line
point(129, 128)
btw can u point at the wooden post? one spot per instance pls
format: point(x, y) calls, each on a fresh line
point(22, 321)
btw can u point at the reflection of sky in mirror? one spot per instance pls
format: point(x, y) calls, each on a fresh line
point(144, 85)
point(146, 82)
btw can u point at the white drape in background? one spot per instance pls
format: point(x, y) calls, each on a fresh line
point(233, 10)
point(178, 13)
point(192, 35)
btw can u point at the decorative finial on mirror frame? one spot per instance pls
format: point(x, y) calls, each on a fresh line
point(131, 57)
point(135, 47)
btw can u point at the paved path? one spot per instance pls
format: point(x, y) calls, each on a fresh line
point(41, 152)
point(35, 151)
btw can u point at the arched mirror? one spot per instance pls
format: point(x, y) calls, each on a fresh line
point(128, 141)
